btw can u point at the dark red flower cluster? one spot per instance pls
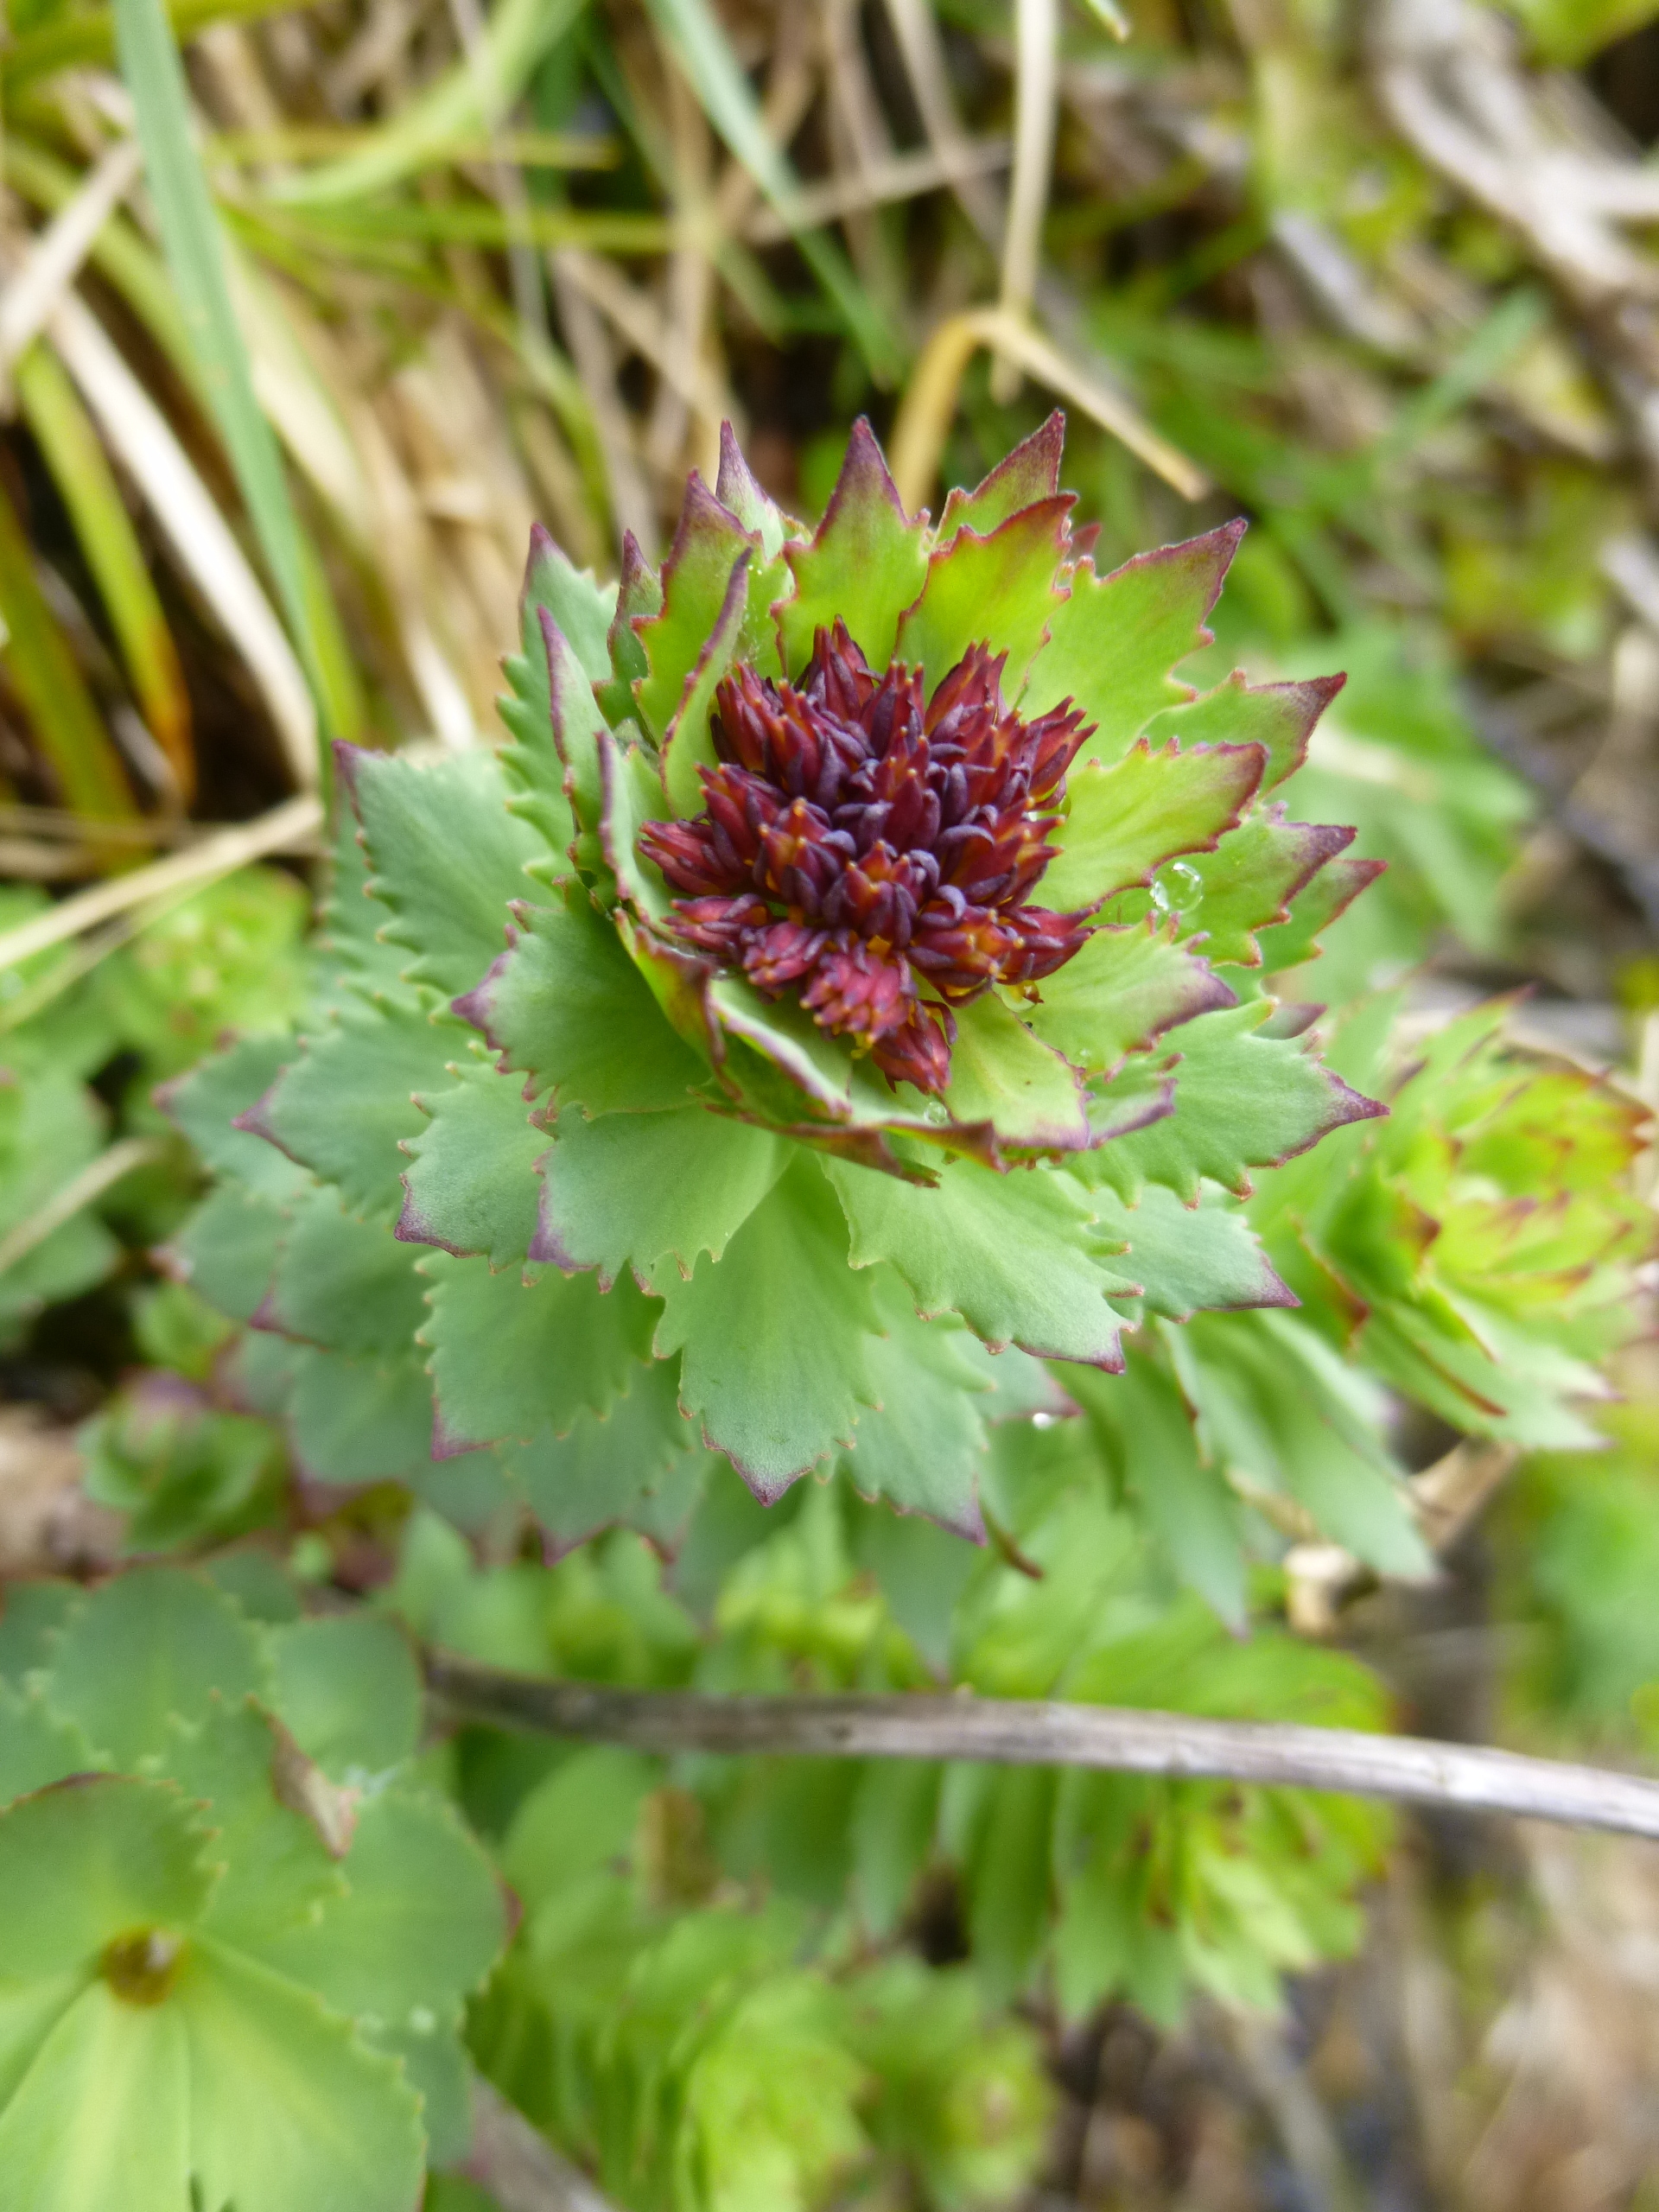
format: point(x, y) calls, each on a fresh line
point(858, 844)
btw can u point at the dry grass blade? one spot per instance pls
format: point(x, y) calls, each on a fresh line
point(293, 827)
point(53, 261)
point(1036, 24)
point(207, 550)
point(895, 177)
point(75, 1196)
point(930, 402)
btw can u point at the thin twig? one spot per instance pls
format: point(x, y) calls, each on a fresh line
point(289, 828)
point(518, 2166)
point(1010, 1733)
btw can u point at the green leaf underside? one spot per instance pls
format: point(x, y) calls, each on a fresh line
point(1189, 1258)
point(696, 575)
point(342, 1283)
point(1125, 819)
point(358, 1420)
point(1114, 641)
point(1001, 1073)
point(999, 589)
point(346, 1101)
point(1241, 1101)
point(1008, 1252)
point(1223, 898)
point(446, 855)
point(921, 1446)
point(864, 567)
point(650, 1192)
point(470, 1184)
point(639, 1464)
point(782, 1309)
point(566, 1006)
point(509, 1358)
point(1120, 993)
point(1278, 717)
point(689, 743)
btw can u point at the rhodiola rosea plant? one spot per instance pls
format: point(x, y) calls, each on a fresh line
point(811, 1020)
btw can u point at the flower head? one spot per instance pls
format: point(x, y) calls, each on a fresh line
point(863, 844)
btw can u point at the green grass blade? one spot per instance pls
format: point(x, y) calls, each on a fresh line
point(465, 101)
point(69, 40)
point(80, 469)
point(195, 254)
point(704, 53)
point(43, 672)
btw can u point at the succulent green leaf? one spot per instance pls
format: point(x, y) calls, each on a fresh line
point(866, 564)
point(1332, 891)
point(1249, 882)
point(769, 579)
point(1146, 1427)
point(1002, 1074)
point(697, 591)
point(567, 1006)
point(1190, 1258)
point(632, 795)
point(510, 1358)
point(417, 1925)
point(34, 1612)
point(359, 1421)
point(37, 1746)
point(348, 1689)
point(638, 598)
point(583, 608)
point(650, 1192)
point(102, 2116)
point(688, 746)
point(921, 1445)
point(1030, 474)
point(149, 1645)
point(204, 1105)
point(638, 1464)
point(1123, 820)
point(1009, 1253)
point(1278, 717)
point(227, 1250)
point(774, 1336)
point(286, 2105)
point(1120, 994)
point(85, 1862)
point(446, 855)
point(1114, 641)
point(346, 1284)
point(999, 589)
point(470, 1184)
point(343, 1104)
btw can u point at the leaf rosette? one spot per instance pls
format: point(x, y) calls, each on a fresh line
point(799, 1010)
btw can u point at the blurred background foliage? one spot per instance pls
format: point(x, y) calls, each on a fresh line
point(1380, 274)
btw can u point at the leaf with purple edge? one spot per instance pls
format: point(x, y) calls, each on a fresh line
point(1000, 590)
point(770, 580)
point(1241, 1101)
point(1009, 1253)
point(689, 744)
point(1190, 1259)
point(1124, 821)
point(353, 1420)
point(1278, 717)
point(639, 1465)
point(1001, 1073)
point(773, 1339)
point(1249, 882)
point(509, 1358)
point(446, 857)
point(639, 597)
point(1113, 643)
point(344, 1103)
point(346, 1284)
point(470, 1184)
point(1030, 474)
point(1121, 993)
point(650, 1192)
point(1332, 891)
point(566, 1006)
point(696, 580)
point(865, 565)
